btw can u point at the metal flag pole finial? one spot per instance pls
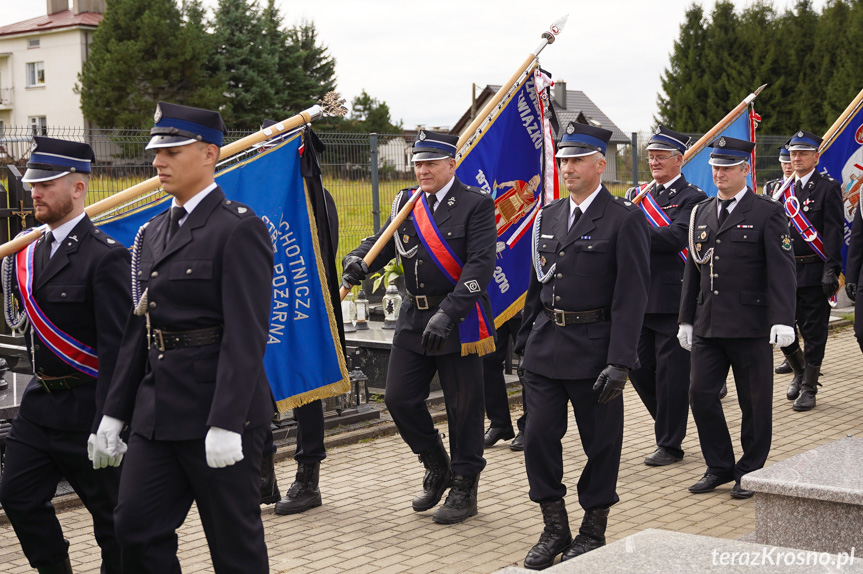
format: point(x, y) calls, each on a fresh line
point(333, 104)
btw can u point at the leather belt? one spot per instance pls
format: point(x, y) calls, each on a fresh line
point(424, 302)
point(165, 340)
point(54, 384)
point(807, 259)
point(564, 318)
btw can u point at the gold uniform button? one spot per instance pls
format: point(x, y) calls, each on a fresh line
point(188, 271)
point(152, 305)
point(422, 285)
point(557, 298)
point(559, 275)
point(154, 274)
point(562, 253)
point(161, 357)
point(716, 292)
point(63, 295)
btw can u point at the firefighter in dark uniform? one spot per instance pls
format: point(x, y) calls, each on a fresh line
point(662, 380)
point(431, 332)
point(79, 280)
point(191, 380)
point(738, 299)
point(854, 272)
point(818, 199)
point(582, 316)
point(774, 185)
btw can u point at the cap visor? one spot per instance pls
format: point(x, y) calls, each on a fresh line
point(723, 162)
point(429, 156)
point(662, 146)
point(784, 159)
point(37, 175)
point(801, 147)
point(574, 152)
point(168, 141)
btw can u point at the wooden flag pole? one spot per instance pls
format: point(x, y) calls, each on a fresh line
point(332, 105)
point(695, 148)
point(840, 122)
point(548, 37)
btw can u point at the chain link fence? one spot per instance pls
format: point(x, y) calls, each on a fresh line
point(362, 171)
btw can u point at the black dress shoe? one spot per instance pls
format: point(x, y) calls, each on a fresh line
point(723, 392)
point(494, 434)
point(708, 483)
point(739, 492)
point(662, 457)
point(518, 442)
point(783, 368)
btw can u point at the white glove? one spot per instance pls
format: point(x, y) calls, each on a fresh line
point(107, 448)
point(781, 335)
point(223, 447)
point(684, 335)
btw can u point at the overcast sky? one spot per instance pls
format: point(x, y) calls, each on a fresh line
point(422, 57)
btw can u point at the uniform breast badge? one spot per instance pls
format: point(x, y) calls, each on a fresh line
point(542, 260)
point(786, 243)
point(406, 238)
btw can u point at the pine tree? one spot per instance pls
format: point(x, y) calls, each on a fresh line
point(308, 70)
point(370, 115)
point(244, 60)
point(142, 52)
point(680, 106)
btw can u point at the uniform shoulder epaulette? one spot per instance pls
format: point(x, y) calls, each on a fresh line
point(695, 187)
point(554, 202)
point(237, 208)
point(475, 189)
point(106, 239)
point(624, 203)
point(708, 200)
point(768, 198)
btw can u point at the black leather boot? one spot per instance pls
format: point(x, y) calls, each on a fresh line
point(269, 487)
point(437, 479)
point(460, 502)
point(555, 537)
point(783, 368)
point(59, 568)
point(590, 536)
point(797, 363)
point(806, 400)
point(304, 492)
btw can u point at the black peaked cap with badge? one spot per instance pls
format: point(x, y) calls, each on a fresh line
point(730, 151)
point(54, 158)
point(178, 125)
point(804, 141)
point(582, 139)
point(666, 139)
point(430, 146)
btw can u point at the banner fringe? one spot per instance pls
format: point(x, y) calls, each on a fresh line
point(481, 347)
point(510, 311)
point(331, 390)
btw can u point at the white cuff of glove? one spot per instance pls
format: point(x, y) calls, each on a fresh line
point(223, 447)
point(684, 335)
point(781, 335)
point(107, 448)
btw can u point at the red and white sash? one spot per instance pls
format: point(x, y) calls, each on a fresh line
point(656, 217)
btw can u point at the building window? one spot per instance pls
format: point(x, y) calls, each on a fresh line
point(35, 74)
point(33, 43)
point(38, 125)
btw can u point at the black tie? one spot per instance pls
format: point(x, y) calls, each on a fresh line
point(659, 189)
point(177, 214)
point(798, 187)
point(723, 213)
point(576, 215)
point(432, 201)
point(45, 256)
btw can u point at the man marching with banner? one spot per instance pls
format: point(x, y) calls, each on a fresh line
point(447, 249)
point(73, 286)
point(662, 380)
point(191, 382)
point(813, 203)
point(582, 317)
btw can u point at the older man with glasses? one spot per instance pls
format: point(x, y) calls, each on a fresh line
point(662, 379)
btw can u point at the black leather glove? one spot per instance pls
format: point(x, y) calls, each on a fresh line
point(610, 381)
point(355, 270)
point(851, 291)
point(437, 330)
point(829, 282)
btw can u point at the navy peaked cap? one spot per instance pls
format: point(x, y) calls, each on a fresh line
point(178, 125)
point(582, 139)
point(53, 158)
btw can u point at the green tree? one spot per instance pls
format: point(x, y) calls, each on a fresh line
point(143, 52)
point(244, 60)
point(369, 114)
point(306, 69)
point(680, 106)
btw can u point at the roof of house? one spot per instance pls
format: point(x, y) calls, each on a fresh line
point(576, 102)
point(64, 19)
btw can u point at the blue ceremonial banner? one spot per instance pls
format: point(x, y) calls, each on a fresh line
point(699, 172)
point(506, 161)
point(304, 358)
point(842, 159)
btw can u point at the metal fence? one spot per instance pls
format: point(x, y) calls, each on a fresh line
point(362, 171)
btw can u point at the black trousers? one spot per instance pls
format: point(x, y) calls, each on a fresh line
point(408, 384)
point(37, 458)
point(159, 482)
point(751, 362)
point(494, 383)
point(662, 381)
point(600, 427)
point(812, 318)
point(310, 434)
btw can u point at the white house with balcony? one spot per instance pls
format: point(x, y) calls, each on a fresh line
point(40, 60)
